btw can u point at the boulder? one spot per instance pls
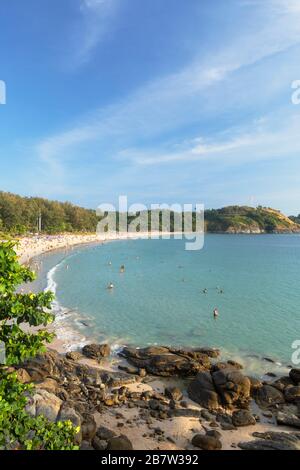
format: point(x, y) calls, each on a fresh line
point(45, 404)
point(174, 393)
point(96, 351)
point(23, 376)
point(255, 384)
point(88, 427)
point(74, 355)
point(69, 414)
point(119, 443)
point(292, 394)
point(167, 362)
point(273, 441)
point(295, 376)
point(282, 383)
point(99, 444)
point(268, 396)
point(206, 442)
point(243, 418)
point(51, 385)
point(104, 433)
point(232, 386)
point(202, 391)
point(288, 419)
point(85, 445)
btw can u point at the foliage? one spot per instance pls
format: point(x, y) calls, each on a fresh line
point(18, 430)
point(18, 215)
point(17, 309)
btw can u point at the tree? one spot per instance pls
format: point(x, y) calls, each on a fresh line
point(18, 430)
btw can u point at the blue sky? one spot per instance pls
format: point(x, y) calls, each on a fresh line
point(162, 100)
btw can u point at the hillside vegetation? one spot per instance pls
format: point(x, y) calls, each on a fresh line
point(237, 219)
point(19, 215)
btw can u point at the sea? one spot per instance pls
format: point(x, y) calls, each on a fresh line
point(166, 295)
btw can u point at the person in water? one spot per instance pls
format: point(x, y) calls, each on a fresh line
point(216, 313)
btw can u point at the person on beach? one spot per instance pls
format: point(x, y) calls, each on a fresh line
point(216, 313)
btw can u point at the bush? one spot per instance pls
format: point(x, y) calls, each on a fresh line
point(18, 430)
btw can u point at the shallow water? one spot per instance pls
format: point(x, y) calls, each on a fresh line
point(160, 300)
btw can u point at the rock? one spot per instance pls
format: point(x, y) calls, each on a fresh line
point(268, 396)
point(129, 369)
point(243, 418)
point(85, 445)
point(88, 427)
point(282, 383)
point(273, 441)
point(104, 433)
point(202, 391)
point(295, 376)
point(255, 384)
point(69, 414)
point(119, 443)
point(167, 362)
point(288, 419)
point(96, 351)
point(99, 444)
point(210, 352)
point(227, 365)
point(23, 376)
point(51, 385)
point(174, 393)
point(232, 386)
point(74, 355)
point(292, 394)
point(142, 373)
point(214, 433)
point(44, 403)
point(206, 442)
point(206, 415)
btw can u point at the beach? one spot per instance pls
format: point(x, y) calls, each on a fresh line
point(135, 401)
point(35, 245)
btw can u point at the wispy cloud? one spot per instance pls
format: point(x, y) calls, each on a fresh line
point(97, 18)
point(181, 98)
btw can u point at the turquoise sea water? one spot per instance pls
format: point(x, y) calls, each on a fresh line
point(160, 300)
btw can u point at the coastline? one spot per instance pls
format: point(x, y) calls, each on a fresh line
point(36, 245)
point(147, 427)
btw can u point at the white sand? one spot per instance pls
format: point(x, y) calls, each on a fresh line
point(38, 244)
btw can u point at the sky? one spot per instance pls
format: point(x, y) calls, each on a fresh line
point(164, 101)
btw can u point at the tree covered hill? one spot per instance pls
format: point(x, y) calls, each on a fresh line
point(244, 219)
point(19, 215)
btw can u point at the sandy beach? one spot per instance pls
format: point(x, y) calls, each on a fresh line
point(35, 245)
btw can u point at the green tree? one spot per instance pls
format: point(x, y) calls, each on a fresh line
point(19, 311)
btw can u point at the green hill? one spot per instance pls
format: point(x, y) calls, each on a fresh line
point(19, 215)
point(243, 219)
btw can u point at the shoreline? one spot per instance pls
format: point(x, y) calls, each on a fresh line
point(70, 336)
point(36, 245)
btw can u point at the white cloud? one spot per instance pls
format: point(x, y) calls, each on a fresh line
point(167, 103)
point(97, 17)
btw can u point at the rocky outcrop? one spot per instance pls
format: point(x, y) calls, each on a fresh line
point(167, 362)
point(292, 394)
point(243, 418)
point(96, 351)
point(206, 442)
point(119, 443)
point(202, 391)
point(232, 386)
point(295, 376)
point(44, 403)
point(273, 441)
point(268, 396)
